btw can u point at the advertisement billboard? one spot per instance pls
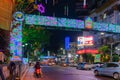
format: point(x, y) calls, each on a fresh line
point(85, 41)
point(67, 42)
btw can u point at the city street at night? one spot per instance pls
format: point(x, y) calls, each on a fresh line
point(59, 39)
point(64, 73)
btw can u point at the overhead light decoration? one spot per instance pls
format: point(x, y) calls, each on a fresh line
point(88, 23)
point(41, 8)
point(84, 4)
point(19, 16)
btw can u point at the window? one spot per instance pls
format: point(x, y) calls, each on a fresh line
point(112, 65)
point(115, 65)
point(95, 18)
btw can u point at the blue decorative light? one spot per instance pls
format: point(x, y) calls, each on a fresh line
point(16, 40)
point(71, 23)
point(67, 42)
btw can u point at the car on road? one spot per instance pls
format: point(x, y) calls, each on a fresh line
point(97, 64)
point(84, 66)
point(73, 64)
point(109, 69)
point(63, 64)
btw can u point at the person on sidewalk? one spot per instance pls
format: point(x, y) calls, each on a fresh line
point(1, 73)
point(12, 68)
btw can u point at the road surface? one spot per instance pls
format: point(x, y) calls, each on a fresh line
point(64, 73)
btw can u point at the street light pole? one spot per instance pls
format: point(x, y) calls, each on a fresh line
point(111, 52)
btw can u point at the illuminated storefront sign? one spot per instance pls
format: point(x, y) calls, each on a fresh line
point(85, 41)
point(97, 58)
point(91, 51)
point(80, 41)
point(67, 42)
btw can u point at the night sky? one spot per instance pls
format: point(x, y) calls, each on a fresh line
point(57, 39)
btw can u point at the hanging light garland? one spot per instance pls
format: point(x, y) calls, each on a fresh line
point(30, 6)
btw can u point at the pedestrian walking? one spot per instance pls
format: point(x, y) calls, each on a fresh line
point(1, 73)
point(12, 69)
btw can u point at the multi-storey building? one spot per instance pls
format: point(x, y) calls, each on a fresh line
point(59, 8)
point(108, 13)
point(70, 8)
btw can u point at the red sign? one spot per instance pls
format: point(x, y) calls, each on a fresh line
point(92, 51)
point(85, 41)
point(88, 40)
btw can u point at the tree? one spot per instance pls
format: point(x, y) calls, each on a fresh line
point(88, 57)
point(115, 58)
point(36, 36)
point(103, 50)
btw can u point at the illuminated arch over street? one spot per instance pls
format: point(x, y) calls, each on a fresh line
point(16, 34)
point(71, 23)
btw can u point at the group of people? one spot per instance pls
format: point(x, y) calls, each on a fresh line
point(11, 67)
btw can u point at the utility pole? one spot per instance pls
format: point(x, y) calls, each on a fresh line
point(111, 52)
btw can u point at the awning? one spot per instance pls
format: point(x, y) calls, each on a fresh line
point(47, 57)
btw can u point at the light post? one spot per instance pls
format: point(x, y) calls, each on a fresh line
point(111, 52)
point(117, 50)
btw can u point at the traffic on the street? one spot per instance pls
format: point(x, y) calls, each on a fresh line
point(59, 39)
point(64, 73)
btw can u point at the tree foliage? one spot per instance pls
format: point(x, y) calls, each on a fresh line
point(88, 58)
point(104, 51)
point(115, 58)
point(35, 35)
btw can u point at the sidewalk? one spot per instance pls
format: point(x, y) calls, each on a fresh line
point(30, 76)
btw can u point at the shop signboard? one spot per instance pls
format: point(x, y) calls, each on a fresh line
point(97, 58)
point(85, 41)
